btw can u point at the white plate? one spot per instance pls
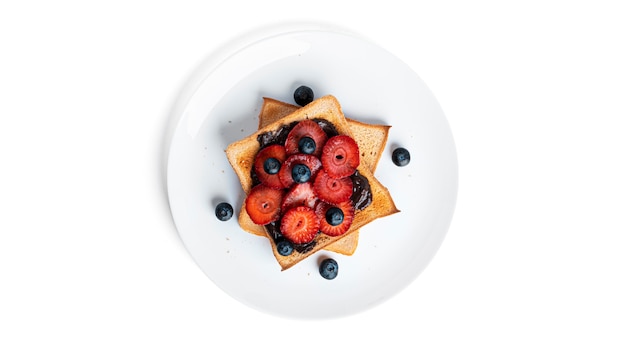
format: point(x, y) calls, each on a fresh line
point(372, 86)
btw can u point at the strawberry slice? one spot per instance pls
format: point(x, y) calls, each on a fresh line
point(300, 225)
point(300, 194)
point(335, 220)
point(332, 190)
point(268, 163)
point(306, 128)
point(263, 204)
point(340, 156)
point(310, 161)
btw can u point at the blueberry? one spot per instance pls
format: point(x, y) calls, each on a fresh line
point(334, 216)
point(329, 268)
point(301, 173)
point(224, 211)
point(401, 157)
point(271, 166)
point(303, 95)
point(306, 145)
point(284, 247)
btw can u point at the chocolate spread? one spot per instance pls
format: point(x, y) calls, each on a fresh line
point(361, 191)
point(275, 137)
point(328, 127)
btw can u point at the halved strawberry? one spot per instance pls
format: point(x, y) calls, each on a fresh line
point(300, 194)
point(263, 204)
point(285, 174)
point(332, 190)
point(340, 156)
point(335, 220)
point(306, 128)
point(300, 225)
point(268, 163)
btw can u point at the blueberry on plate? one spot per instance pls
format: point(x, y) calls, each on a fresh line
point(401, 157)
point(224, 211)
point(303, 95)
point(284, 247)
point(329, 268)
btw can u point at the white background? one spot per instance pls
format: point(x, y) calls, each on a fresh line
point(535, 258)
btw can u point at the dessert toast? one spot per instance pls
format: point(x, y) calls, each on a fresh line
point(241, 155)
point(273, 110)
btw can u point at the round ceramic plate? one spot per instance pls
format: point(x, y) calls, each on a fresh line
point(372, 86)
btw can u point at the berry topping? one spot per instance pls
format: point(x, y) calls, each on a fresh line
point(306, 137)
point(303, 95)
point(299, 195)
point(286, 172)
point(340, 156)
point(329, 268)
point(268, 163)
point(332, 190)
point(334, 216)
point(300, 225)
point(300, 173)
point(224, 211)
point(263, 204)
point(401, 157)
point(335, 220)
point(284, 247)
point(305, 175)
point(306, 145)
point(271, 166)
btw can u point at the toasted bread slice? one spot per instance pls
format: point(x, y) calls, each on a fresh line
point(241, 155)
point(273, 110)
